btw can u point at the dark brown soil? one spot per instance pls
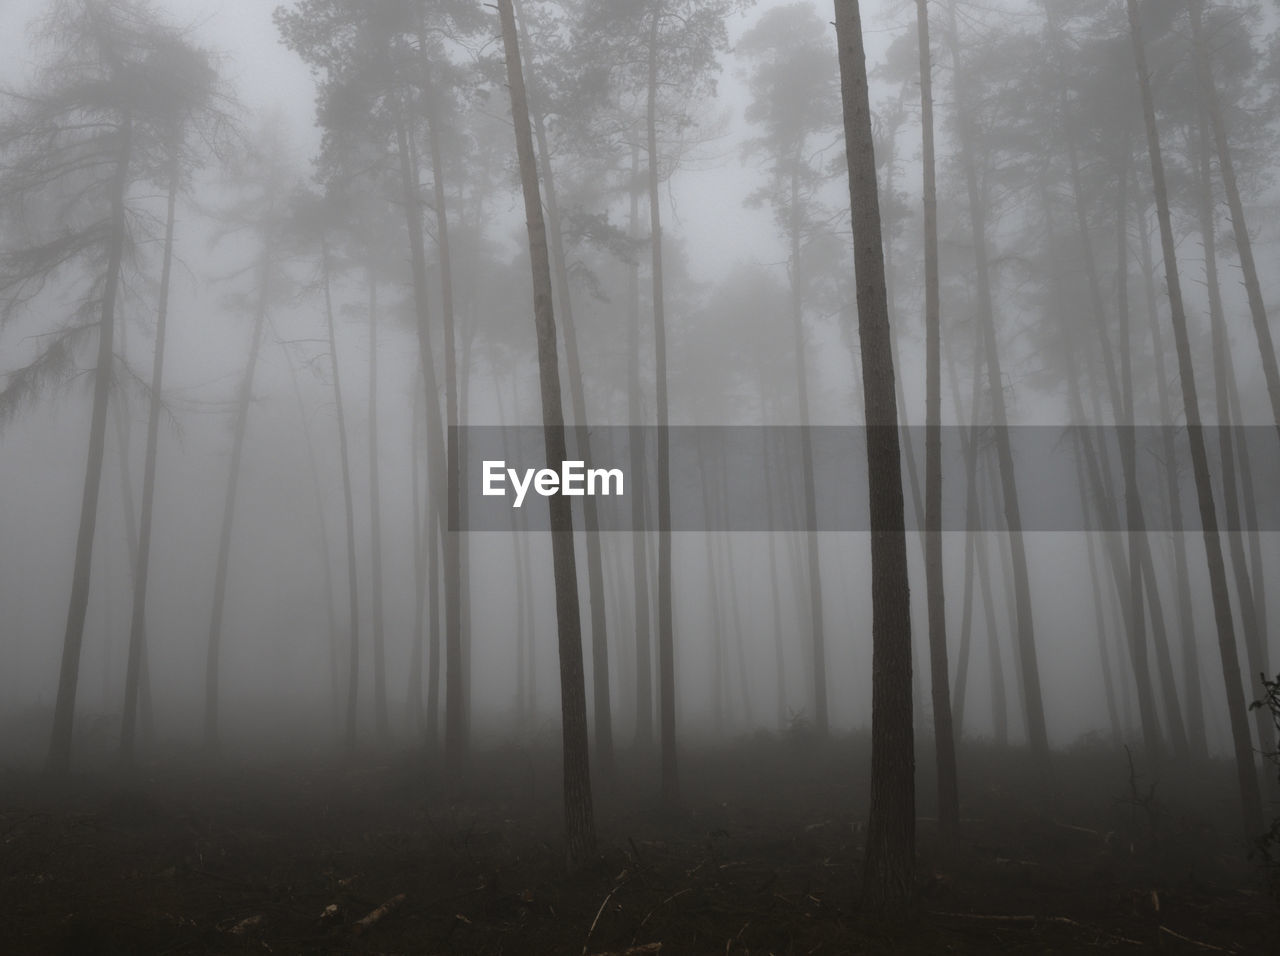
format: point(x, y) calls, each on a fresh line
point(289, 855)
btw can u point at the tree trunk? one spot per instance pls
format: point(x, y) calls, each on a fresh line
point(436, 471)
point(456, 698)
point(353, 594)
point(323, 526)
point(245, 397)
point(940, 671)
point(579, 826)
point(591, 521)
point(413, 694)
point(889, 874)
point(1250, 797)
point(1196, 735)
point(635, 436)
point(142, 572)
point(1223, 374)
point(806, 459)
point(1037, 732)
point(59, 759)
point(666, 637)
point(381, 727)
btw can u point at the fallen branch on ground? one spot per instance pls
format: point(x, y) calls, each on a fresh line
point(368, 921)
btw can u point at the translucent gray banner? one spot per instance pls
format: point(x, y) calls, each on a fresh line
point(741, 478)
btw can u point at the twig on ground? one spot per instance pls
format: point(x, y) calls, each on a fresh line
point(597, 919)
point(368, 921)
point(1193, 942)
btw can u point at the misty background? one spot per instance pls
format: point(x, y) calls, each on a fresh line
point(742, 619)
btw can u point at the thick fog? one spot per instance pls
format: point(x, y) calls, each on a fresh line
point(738, 161)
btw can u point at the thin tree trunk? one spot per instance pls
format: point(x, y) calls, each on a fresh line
point(1254, 638)
point(245, 397)
point(142, 573)
point(456, 699)
point(635, 436)
point(1251, 803)
point(666, 636)
point(381, 726)
point(889, 874)
point(1037, 732)
point(806, 461)
point(323, 525)
point(591, 521)
point(940, 671)
point(579, 826)
point(413, 694)
point(59, 758)
point(1196, 735)
point(436, 467)
point(353, 594)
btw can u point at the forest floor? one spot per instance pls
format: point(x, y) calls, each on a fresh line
point(370, 854)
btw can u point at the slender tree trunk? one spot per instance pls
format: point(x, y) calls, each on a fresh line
point(245, 397)
point(436, 477)
point(59, 758)
point(579, 826)
point(635, 435)
point(323, 525)
point(775, 602)
point(434, 556)
point(666, 636)
point(1196, 735)
point(972, 527)
point(1240, 227)
point(1251, 802)
point(353, 592)
point(889, 874)
point(1254, 638)
point(413, 695)
point(1099, 618)
point(142, 573)
point(591, 521)
point(1037, 732)
point(940, 671)
point(381, 726)
point(456, 701)
point(806, 460)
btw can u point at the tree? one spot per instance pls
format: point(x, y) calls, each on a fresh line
point(579, 825)
point(89, 127)
point(591, 521)
point(1247, 776)
point(196, 106)
point(266, 182)
point(1226, 167)
point(1025, 632)
point(649, 49)
point(889, 873)
point(944, 738)
point(794, 88)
